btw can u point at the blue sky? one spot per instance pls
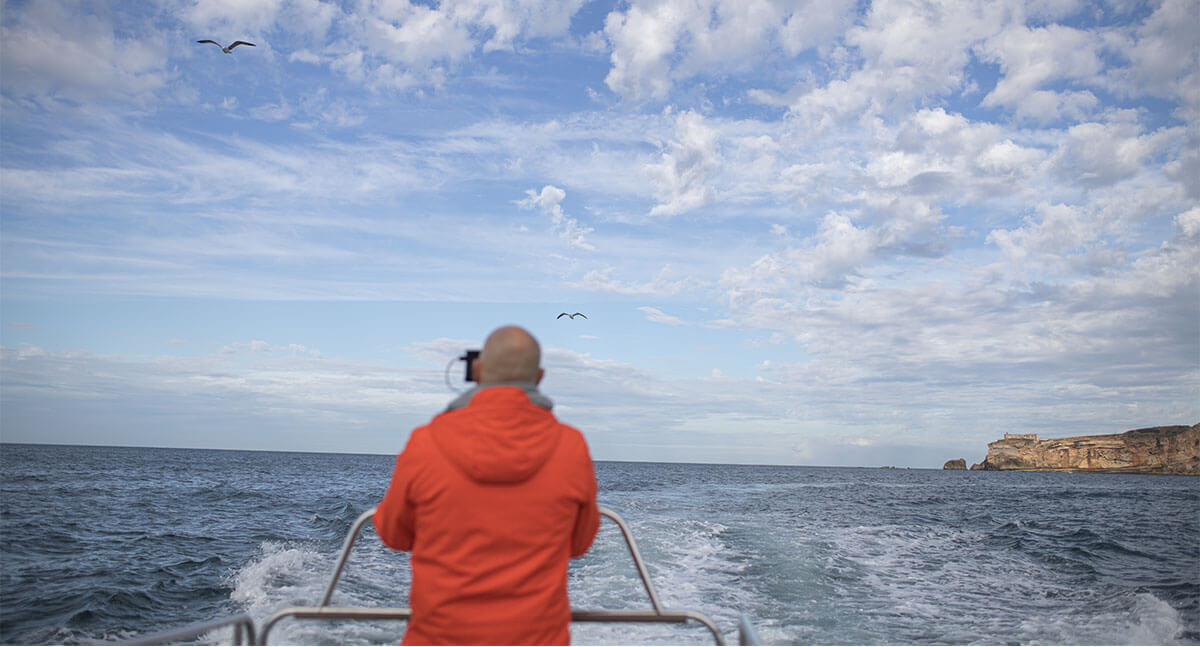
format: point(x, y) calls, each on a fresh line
point(816, 233)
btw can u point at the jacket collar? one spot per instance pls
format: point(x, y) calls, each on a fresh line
point(530, 388)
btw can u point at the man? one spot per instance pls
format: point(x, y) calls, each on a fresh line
point(492, 497)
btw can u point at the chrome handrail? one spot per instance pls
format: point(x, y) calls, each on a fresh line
point(637, 556)
point(366, 516)
point(346, 546)
point(746, 633)
point(241, 623)
point(324, 611)
point(577, 615)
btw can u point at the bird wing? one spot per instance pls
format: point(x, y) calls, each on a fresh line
point(240, 42)
point(580, 314)
point(209, 41)
point(561, 315)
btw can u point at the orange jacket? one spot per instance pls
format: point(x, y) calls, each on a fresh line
point(492, 499)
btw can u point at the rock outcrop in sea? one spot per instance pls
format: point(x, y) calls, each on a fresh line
point(955, 464)
point(1154, 450)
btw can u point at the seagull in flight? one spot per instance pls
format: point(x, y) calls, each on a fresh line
point(564, 314)
point(231, 46)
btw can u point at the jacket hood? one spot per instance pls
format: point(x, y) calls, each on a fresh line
point(498, 433)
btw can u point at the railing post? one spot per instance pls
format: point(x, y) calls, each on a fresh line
point(637, 557)
point(346, 546)
point(746, 633)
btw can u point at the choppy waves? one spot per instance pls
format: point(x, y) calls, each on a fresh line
point(104, 544)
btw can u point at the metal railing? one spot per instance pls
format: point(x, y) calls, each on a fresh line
point(655, 615)
point(244, 625)
point(746, 633)
point(243, 630)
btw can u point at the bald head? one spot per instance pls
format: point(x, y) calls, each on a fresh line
point(510, 354)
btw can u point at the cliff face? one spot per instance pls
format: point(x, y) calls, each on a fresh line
point(1155, 450)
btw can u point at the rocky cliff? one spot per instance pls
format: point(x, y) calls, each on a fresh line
point(1154, 450)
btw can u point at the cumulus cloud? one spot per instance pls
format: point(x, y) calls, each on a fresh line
point(1051, 236)
point(549, 201)
point(836, 255)
point(641, 41)
point(935, 153)
point(402, 44)
point(654, 45)
point(1031, 58)
point(56, 51)
point(232, 19)
point(1162, 51)
point(897, 55)
point(1189, 223)
point(1105, 153)
point(314, 18)
point(682, 176)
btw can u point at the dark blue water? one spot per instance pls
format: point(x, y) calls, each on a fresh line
point(101, 543)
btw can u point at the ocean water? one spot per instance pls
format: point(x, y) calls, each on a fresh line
point(106, 543)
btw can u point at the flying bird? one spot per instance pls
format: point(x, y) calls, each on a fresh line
point(564, 314)
point(231, 46)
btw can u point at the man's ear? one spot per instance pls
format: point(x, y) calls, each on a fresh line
point(541, 373)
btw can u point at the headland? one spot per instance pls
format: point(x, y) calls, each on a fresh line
point(1153, 450)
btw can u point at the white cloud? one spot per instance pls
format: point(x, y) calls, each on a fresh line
point(1105, 153)
point(549, 200)
point(1006, 159)
point(1050, 237)
point(1031, 58)
point(656, 44)
point(313, 18)
point(838, 252)
point(664, 283)
point(1189, 223)
point(682, 176)
point(658, 316)
point(642, 41)
point(898, 55)
point(1162, 51)
point(400, 44)
point(305, 56)
point(231, 20)
point(55, 51)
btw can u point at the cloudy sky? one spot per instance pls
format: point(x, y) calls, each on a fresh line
point(816, 232)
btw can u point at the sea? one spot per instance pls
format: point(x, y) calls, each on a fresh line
point(110, 543)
